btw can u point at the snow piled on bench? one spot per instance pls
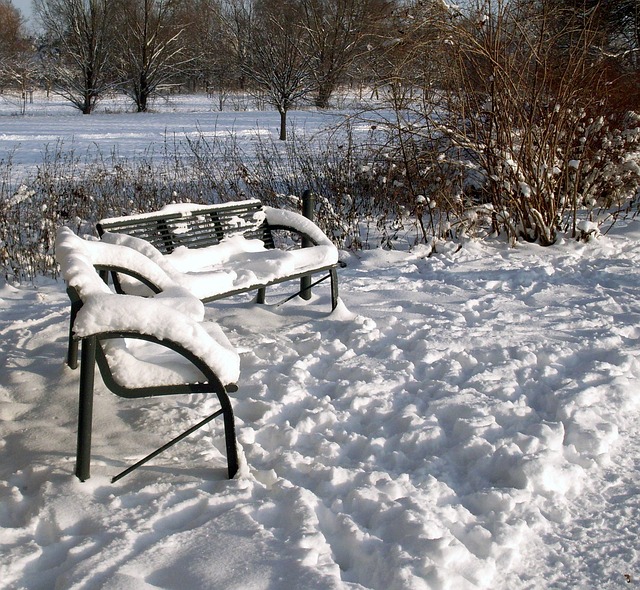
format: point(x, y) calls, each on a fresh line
point(174, 315)
point(135, 364)
point(464, 420)
point(236, 262)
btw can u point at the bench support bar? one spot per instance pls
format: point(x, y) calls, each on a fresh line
point(306, 289)
point(164, 447)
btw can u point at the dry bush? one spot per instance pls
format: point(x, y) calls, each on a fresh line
point(539, 118)
point(513, 125)
point(357, 195)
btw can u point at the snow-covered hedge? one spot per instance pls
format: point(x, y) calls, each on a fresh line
point(366, 195)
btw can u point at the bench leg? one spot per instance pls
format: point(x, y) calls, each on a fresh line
point(305, 288)
point(229, 434)
point(334, 288)
point(72, 348)
point(85, 408)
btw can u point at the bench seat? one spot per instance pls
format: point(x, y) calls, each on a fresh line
point(209, 277)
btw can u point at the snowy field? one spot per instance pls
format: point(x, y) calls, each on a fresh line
point(51, 124)
point(462, 420)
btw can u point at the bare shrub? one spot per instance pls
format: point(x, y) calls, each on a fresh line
point(516, 129)
point(69, 189)
point(358, 189)
point(539, 121)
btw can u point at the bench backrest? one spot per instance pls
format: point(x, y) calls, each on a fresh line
point(194, 226)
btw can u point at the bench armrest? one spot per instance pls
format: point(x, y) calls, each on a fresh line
point(293, 221)
point(106, 313)
point(76, 255)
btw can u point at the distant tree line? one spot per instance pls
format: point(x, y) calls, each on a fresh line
point(288, 50)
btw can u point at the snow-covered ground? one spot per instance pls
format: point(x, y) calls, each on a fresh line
point(52, 125)
point(463, 420)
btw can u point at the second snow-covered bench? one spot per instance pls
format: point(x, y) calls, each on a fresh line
point(217, 251)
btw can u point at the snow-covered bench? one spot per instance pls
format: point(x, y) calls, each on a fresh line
point(216, 251)
point(143, 346)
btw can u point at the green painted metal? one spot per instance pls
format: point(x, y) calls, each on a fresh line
point(92, 353)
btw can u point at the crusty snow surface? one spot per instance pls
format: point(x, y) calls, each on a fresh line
point(467, 419)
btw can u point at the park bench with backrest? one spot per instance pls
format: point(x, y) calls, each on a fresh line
point(216, 251)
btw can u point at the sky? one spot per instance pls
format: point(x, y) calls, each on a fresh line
point(24, 6)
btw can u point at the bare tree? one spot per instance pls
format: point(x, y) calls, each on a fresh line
point(404, 60)
point(13, 37)
point(151, 48)
point(214, 36)
point(237, 20)
point(79, 35)
point(339, 33)
point(275, 63)
point(618, 25)
point(16, 54)
point(205, 53)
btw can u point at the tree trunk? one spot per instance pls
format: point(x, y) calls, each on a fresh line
point(143, 94)
point(86, 104)
point(324, 94)
point(283, 124)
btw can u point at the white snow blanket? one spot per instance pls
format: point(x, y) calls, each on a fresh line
point(470, 422)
